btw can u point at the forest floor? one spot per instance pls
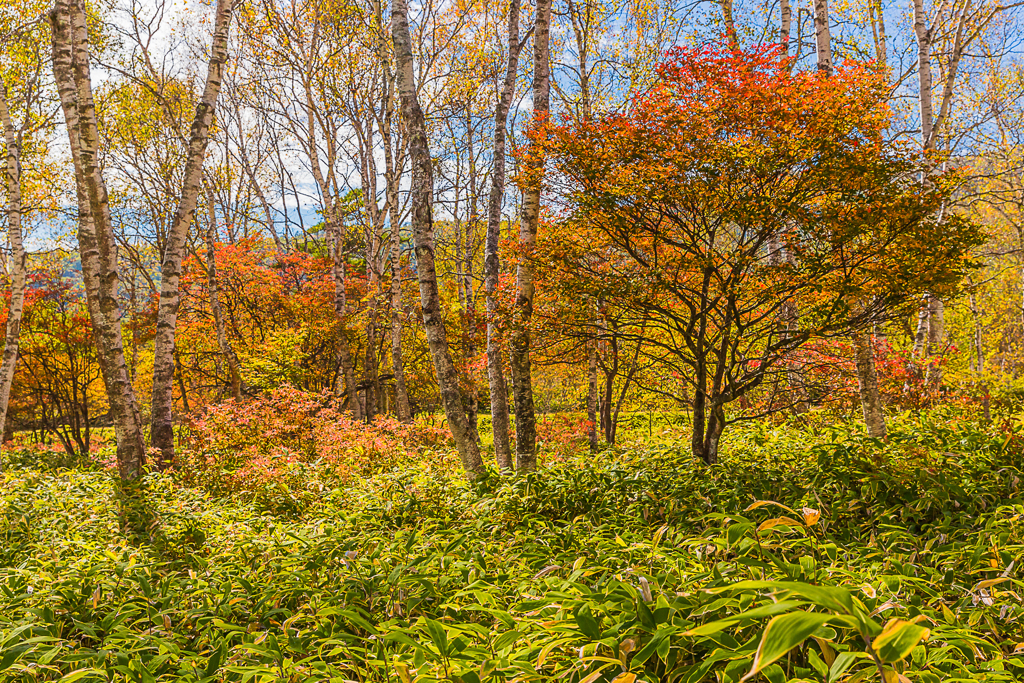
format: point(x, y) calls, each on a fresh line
point(809, 554)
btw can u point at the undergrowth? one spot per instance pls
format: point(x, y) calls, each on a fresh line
point(897, 560)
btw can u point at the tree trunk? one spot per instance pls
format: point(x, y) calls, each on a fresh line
point(495, 368)
point(592, 394)
point(877, 18)
point(924, 72)
point(979, 352)
point(18, 264)
point(467, 316)
point(371, 361)
point(162, 429)
point(96, 241)
point(867, 383)
point(730, 24)
point(785, 24)
point(936, 333)
point(213, 285)
point(519, 352)
point(708, 423)
point(346, 372)
point(402, 408)
point(823, 37)
point(421, 192)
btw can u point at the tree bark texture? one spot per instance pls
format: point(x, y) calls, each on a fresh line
point(867, 383)
point(823, 36)
point(421, 195)
point(96, 241)
point(162, 420)
point(495, 368)
point(18, 266)
point(519, 352)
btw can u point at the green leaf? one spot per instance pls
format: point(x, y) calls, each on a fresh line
point(844, 660)
point(214, 662)
point(782, 634)
point(82, 673)
point(438, 635)
point(756, 613)
point(897, 639)
point(587, 623)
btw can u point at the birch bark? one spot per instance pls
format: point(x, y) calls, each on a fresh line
point(162, 420)
point(495, 369)
point(421, 194)
point(17, 265)
point(519, 352)
point(96, 242)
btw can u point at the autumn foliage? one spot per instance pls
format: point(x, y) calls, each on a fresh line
point(733, 194)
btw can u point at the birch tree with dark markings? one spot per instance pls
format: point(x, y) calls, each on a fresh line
point(96, 242)
point(162, 424)
point(421, 192)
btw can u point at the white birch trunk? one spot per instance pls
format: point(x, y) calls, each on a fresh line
point(162, 420)
point(421, 194)
point(96, 241)
point(519, 352)
point(18, 266)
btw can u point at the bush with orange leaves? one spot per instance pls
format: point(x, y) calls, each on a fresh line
point(287, 448)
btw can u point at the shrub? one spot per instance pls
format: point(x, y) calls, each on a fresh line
point(286, 448)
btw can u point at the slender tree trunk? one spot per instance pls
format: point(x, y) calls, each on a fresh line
point(979, 353)
point(371, 362)
point(921, 331)
point(213, 286)
point(345, 382)
point(402, 407)
point(592, 393)
point(823, 36)
point(877, 19)
point(624, 391)
point(467, 316)
point(870, 399)
point(785, 24)
point(730, 23)
point(936, 334)
point(18, 264)
point(519, 352)
point(924, 72)
point(867, 382)
point(495, 369)
point(346, 372)
point(421, 194)
point(162, 421)
point(394, 162)
point(96, 241)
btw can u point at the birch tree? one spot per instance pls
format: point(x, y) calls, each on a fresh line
point(162, 421)
point(421, 196)
point(97, 244)
point(519, 351)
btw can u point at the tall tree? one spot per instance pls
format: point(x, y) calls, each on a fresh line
point(421, 192)
point(162, 420)
point(18, 268)
point(519, 347)
point(96, 241)
point(495, 369)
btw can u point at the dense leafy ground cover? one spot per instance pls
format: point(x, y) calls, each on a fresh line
point(897, 560)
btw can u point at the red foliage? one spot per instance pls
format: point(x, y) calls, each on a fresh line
point(290, 445)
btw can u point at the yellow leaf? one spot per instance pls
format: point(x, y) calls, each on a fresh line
point(760, 503)
point(777, 521)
